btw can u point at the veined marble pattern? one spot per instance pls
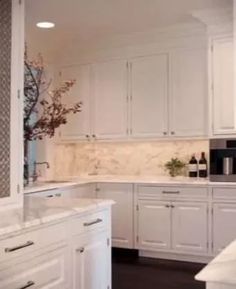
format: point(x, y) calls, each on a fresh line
point(122, 158)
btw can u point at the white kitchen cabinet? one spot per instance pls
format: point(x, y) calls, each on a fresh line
point(189, 227)
point(149, 96)
point(80, 191)
point(224, 225)
point(109, 91)
point(188, 93)
point(79, 124)
point(169, 220)
point(49, 270)
point(91, 261)
point(154, 225)
point(122, 212)
point(223, 96)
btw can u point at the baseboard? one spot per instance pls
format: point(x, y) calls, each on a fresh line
point(176, 257)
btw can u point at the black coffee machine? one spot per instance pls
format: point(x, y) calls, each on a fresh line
point(223, 160)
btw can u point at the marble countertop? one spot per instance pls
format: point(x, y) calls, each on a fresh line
point(159, 180)
point(222, 269)
point(38, 211)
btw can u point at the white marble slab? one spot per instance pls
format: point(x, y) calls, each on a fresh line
point(158, 180)
point(39, 211)
point(221, 269)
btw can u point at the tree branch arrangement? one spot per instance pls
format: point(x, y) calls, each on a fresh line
point(44, 110)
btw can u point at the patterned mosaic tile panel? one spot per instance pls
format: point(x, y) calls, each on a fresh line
point(5, 85)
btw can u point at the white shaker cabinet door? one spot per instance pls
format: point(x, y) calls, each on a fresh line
point(154, 225)
point(190, 227)
point(224, 226)
point(223, 98)
point(78, 125)
point(122, 212)
point(188, 93)
point(91, 262)
point(149, 96)
point(109, 99)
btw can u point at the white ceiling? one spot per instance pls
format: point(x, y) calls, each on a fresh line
point(85, 23)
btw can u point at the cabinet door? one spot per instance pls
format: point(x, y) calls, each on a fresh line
point(189, 231)
point(50, 270)
point(110, 99)
point(91, 267)
point(78, 125)
point(224, 226)
point(154, 225)
point(122, 212)
point(223, 102)
point(149, 97)
point(188, 93)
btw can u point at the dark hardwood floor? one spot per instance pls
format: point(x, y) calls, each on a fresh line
point(131, 272)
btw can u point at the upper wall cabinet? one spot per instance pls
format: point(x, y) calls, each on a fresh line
point(149, 96)
point(109, 85)
point(188, 92)
point(223, 99)
point(78, 125)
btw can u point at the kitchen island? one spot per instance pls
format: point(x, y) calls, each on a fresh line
point(54, 242)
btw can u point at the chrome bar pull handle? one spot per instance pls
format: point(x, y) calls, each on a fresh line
point(87, 224)
point(29, 284)
point(171, 192)
point(27, 244)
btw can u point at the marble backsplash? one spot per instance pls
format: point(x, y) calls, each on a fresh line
point(122, 158)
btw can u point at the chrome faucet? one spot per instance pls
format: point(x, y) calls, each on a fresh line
point(35, 175)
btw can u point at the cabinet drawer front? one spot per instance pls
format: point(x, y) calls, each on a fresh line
point(49, 270)
point(224, 193)
point(146, 192)
point(22, 244)
point(96, 221)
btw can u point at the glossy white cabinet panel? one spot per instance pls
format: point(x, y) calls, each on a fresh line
point(78, 125)
point(190, 227)
point(122, 212)
point(223, 96)
point(109, 91)
point(149, 96)
point(188, 93)
point(154, 225)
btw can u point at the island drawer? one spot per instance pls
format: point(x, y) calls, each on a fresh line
point(172, 192)
point(95, 221)
point(27, 242)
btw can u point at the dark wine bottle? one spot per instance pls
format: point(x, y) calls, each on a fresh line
point(202, 166)
point(192, 167)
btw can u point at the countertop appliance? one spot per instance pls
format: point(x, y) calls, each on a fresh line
point(223, 160)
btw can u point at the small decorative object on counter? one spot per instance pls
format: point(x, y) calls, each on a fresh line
point(192, 167)
point(202, 166)
point(175, 167)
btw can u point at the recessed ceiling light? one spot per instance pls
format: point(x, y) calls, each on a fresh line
point(45, 25)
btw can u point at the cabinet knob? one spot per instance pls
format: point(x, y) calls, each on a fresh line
point(172, 133)
point(94, 136)
point(81, 250)
point(167, 206)
point(87, 136)
point(164, 133)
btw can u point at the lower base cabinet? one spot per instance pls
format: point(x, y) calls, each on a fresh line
point(122, 212)
point(91, 262)
point(224, 225)
point(190, 227)
point(154, 223)
point(172, 226)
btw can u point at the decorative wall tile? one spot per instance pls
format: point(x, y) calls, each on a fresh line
point(123, 158)
point(5, 94)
